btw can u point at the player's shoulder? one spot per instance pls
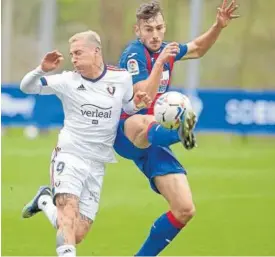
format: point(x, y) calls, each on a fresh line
point(113, 68)
point(70, 74)
point(70, 82)
point(115, 73)
point(65, 78)
point(134, 50)
point(134, 45)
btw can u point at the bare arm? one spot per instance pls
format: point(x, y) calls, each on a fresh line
point(200, 46)
point(151, 84)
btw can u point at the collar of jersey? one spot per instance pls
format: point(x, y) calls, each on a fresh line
point(98, 78)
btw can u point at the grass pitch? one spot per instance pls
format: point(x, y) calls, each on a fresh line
point(233, 184)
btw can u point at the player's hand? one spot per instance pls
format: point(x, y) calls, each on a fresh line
point(142, 100)
point(226, 13)
point(51, 61)
point(169, 51)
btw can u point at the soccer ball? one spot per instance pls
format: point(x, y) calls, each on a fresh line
point(170, 107)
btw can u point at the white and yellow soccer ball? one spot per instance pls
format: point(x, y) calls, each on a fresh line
point(170, 108)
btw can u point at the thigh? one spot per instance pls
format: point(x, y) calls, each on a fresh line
point(68, 174)
point(136, 128)
point(175, 189)
point(160, 161)
point(124, 147)
point(67, 209)
point(90, 195)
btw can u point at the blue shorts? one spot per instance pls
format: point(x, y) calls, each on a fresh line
point(152, 161)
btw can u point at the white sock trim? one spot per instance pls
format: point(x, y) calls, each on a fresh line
point(66, 250)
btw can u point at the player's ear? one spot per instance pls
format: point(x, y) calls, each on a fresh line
point(97, 50)
point(137, 30)
point(164, 28)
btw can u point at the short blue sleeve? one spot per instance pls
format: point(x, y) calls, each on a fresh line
point(183, 51)
point(134, 61)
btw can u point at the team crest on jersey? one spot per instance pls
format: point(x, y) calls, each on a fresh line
point(132, 67)
point(111, 89)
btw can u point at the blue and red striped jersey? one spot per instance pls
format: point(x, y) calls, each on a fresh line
point(139, 61)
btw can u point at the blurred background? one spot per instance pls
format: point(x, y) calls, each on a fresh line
point(242, 58)
point(232, 88)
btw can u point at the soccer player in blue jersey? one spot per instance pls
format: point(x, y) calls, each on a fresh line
point(140, 138)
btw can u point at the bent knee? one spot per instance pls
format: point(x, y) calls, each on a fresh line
point(134, 125)
point(67, 210)
point(184, 213)
point(135, 129)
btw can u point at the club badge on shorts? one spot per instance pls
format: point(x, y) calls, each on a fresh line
point(132, 66)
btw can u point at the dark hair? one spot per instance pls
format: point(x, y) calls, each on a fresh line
point(149, 10)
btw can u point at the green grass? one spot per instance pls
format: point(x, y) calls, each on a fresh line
point(233, 183)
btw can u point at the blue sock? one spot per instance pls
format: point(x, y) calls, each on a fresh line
point(158, 135)
point(163, 231)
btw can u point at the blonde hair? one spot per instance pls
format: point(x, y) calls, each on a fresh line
point(88, 35)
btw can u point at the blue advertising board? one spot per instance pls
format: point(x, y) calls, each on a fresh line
point(233, 111)
point(236, 111)
point(19, 109)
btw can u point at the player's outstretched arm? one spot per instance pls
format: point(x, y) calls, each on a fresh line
point(31, 83)
point(199, 46)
